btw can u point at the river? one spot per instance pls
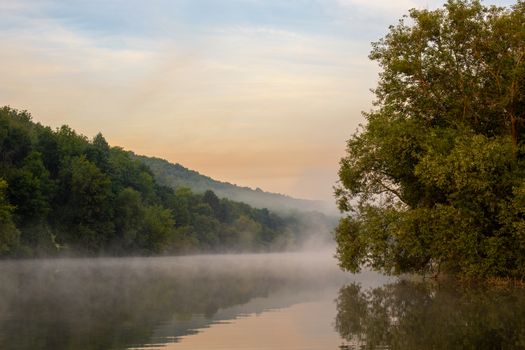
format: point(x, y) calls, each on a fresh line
point(255, 301)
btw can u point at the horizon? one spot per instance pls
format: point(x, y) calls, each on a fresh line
point(261, 94)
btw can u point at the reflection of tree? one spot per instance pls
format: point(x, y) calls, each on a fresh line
point(112, 305)
point(409, 315)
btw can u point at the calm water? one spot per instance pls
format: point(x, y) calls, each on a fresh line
point(273, 301)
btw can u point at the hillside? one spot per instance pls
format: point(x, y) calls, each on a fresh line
point(62, 193)
point(176, 176)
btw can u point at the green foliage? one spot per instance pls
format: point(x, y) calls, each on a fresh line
point(9, 234)
point(158, 228)
point(433, 181)
point(87, 212)
point(61, 192)
point(129, 212)
point(30, 187)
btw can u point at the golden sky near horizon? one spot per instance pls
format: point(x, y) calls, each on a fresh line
point(257, 93)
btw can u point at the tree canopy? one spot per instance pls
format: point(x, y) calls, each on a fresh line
point(434, 180)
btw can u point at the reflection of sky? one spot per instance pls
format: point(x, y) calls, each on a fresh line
point(256, 92)
point(300, 326)
point(290, 317)
point(129, 302)
point(284, 319)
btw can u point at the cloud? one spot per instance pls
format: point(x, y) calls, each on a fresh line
point(396, 8)
point(269, 102)
point(379, 5)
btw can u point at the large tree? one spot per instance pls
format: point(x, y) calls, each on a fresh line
point(434, 180)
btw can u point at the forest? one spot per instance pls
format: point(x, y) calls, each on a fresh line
point(433, 183)
point(64, 194)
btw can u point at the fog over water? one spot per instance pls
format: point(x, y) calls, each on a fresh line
point(119, 303)
point(243, 301)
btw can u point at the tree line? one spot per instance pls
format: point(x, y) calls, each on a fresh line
point(62, 193)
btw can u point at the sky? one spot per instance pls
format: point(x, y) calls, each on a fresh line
point(260, 93)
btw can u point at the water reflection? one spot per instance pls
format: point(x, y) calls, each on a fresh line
point(88, 304)
point(409, 315)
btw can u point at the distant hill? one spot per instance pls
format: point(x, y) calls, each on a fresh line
point(176, 175)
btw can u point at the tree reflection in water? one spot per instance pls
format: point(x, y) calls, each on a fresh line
point(409, 315)
point(122, 303)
